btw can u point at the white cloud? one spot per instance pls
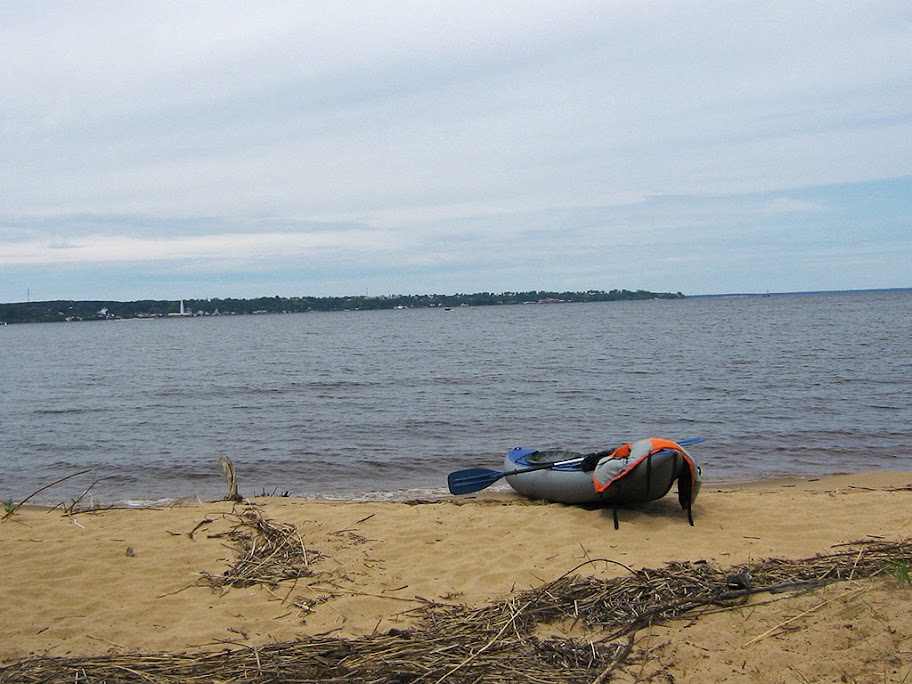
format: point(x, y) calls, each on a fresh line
point(99, 248)
point(427, 122)
point(779, 205)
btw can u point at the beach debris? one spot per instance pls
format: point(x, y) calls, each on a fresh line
point(77, 504)
point(230, 477)
point(268, 552)
point(496, 642)
point(740, 580)
point(10, 508)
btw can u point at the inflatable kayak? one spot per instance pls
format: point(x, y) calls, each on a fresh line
point(566, 482)
point(640, 471)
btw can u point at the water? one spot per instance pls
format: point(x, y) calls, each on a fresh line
point(386, 403)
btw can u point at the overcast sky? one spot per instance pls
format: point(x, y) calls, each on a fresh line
point(210, 149)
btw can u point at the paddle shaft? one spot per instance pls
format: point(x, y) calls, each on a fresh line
point(580, 459)
point(546, 466)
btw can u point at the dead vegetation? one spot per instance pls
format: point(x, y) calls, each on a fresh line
point(267, 552)
point(500, 642)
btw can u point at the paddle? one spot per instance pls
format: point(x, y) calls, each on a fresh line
point(476, 479)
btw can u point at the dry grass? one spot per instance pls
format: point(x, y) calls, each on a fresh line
point(267, 552)
point(457, 643)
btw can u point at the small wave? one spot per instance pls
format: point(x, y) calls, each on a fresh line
point(154, 503)
point(71, 411)
point(353, 411)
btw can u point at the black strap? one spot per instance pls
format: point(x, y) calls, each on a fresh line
point(674, 468)
point(685, 491)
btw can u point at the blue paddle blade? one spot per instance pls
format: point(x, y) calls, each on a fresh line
point(472, 480)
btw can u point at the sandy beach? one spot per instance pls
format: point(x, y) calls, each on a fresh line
point(146, 581)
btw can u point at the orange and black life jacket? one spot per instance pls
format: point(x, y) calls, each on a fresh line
point(645, 470)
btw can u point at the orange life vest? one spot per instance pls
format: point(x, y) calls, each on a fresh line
point(658, 445)
point(623, 461)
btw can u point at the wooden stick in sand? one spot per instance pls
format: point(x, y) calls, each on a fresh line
point(230, 477)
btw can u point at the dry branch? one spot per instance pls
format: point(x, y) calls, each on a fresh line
point(230, 477)
point(267, 552)
point(494, 643)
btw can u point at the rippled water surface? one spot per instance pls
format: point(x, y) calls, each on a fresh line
point(355, 403)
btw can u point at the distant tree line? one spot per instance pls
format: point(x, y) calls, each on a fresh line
point(66, 310)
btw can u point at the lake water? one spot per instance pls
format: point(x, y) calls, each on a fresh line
point(386, 403)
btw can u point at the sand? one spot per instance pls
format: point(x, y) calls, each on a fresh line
point(130, 580)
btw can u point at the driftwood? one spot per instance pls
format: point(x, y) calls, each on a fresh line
point(456, 644)
point(230, 478)
point(13, 508)
point(267, 552)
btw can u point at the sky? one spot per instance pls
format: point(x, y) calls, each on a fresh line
point(166, 150)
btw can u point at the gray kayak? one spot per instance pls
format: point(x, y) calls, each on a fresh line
point(637, 472)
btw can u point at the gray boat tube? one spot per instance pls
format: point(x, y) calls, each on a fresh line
point(637, 477)
point(563, 484)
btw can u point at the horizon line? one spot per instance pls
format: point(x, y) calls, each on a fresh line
point(468, 294)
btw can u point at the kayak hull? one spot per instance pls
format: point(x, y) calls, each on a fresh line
point(563, 484)
point(646, 479)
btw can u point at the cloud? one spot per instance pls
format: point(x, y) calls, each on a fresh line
point(107, 248)
point(436, 134)
point(789, 205)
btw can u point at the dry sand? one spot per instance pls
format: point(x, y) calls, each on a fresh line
point(129, 580)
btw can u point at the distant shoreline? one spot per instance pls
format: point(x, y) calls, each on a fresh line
point(800, 293)
point(91, 310)
point(52, 311)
